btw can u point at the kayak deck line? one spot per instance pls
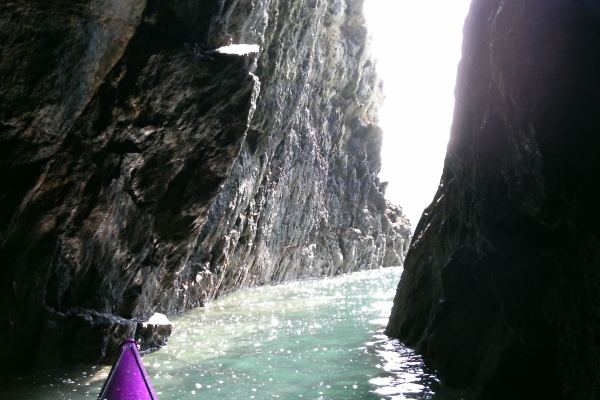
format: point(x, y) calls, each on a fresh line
point(128, 379)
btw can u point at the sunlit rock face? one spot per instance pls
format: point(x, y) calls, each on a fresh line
point(157, 154)
point(501, 285)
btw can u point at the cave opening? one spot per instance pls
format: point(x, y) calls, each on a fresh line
point(417, 46)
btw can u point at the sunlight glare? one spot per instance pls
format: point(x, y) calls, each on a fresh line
point(417, 47)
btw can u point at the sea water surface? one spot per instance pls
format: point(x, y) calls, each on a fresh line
point(317, 339)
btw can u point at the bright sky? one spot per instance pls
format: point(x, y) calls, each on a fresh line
point(417, 45)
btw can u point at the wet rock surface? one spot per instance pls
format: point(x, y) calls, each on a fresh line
point(501, 283)
point(141, 171)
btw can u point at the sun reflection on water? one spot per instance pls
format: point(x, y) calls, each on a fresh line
point(317, 339)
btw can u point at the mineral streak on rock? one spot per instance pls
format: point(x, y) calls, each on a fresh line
point(143, 171)
point(501, 285)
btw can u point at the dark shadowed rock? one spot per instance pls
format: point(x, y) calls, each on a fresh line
point(502, 280)
point(141, 170)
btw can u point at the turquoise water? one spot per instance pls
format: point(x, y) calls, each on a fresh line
point(317, 339)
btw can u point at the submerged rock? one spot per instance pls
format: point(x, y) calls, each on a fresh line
point(502, 280)
point(154, 333)
point(142, 171)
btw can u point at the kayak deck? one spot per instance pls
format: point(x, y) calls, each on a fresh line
point(128, 379)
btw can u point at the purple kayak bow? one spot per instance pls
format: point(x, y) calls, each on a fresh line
point(128, 379)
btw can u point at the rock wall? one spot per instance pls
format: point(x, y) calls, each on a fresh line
point(143, 171)
point(502, 280)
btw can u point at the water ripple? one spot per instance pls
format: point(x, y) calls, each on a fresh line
point(317, 339)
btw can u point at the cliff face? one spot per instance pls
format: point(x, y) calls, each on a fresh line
point(143, 171)
point(502, 280)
